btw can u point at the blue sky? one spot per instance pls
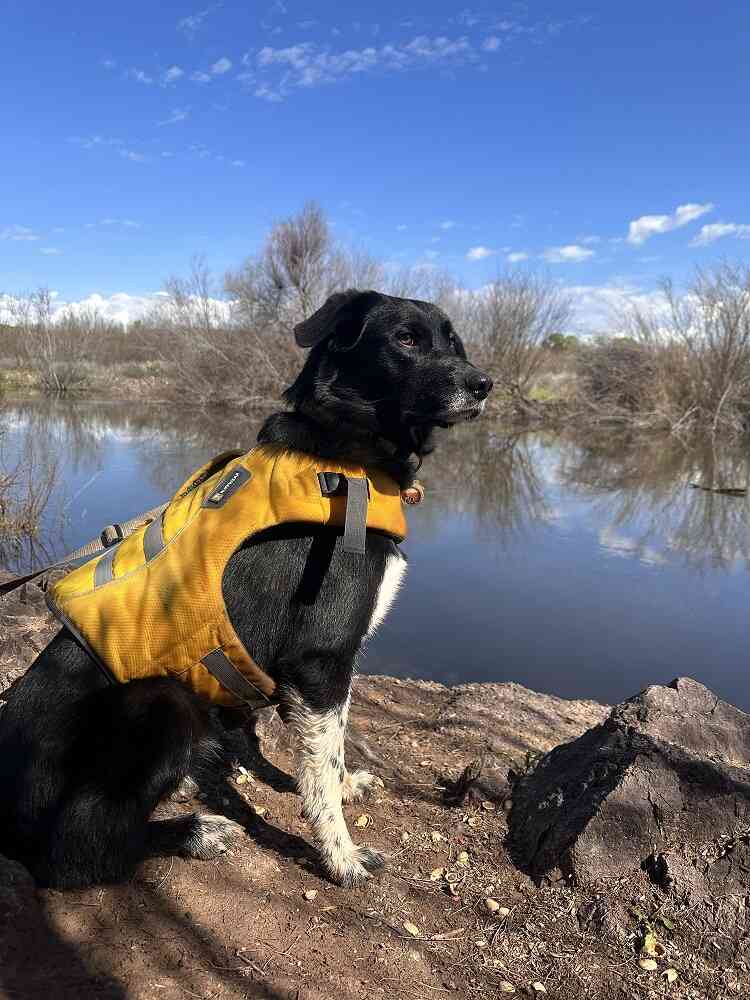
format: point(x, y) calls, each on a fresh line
point(606, 144)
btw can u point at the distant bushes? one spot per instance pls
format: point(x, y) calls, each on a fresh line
point(685, 366)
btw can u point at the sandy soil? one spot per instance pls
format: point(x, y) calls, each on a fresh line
point(263, 921)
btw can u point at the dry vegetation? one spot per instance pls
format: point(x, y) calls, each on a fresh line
point(26, 485)
point(683, 366)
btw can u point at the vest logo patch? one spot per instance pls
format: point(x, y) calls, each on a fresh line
point(227, 487)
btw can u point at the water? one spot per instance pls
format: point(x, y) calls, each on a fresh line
point(581, 568)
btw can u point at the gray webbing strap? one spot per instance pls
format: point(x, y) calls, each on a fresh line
point(153, 538)
point(355, 524)
point(225, 672)
point(92, 548)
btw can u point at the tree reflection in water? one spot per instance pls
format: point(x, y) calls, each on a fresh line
point(645, 485)
point(504, 483)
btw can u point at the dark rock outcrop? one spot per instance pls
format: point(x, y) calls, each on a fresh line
point(662, 785)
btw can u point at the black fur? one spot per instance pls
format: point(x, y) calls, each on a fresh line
point(83, 762)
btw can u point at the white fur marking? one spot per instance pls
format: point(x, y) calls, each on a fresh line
point(393, 575)
point(212, 837)
point(320, 747)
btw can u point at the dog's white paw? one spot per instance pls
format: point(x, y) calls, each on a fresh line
point(359, 784)
point(213, 836)
point(356, 867)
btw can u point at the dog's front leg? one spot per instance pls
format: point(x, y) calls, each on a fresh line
point(320, 749)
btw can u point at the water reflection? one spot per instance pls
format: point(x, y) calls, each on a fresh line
point(586, 567)
point(644, 490)
point(503, 482)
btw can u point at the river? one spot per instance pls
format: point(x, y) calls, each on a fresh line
point(581, 567)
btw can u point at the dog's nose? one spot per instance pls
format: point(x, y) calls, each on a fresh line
point(479, 384)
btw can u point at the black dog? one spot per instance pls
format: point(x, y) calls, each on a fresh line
point(83, 762)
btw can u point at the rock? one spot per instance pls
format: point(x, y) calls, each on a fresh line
point(663, 784)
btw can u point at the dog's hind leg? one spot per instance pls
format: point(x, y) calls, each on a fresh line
point(205, 836)
point(320, 749)
point(134, 745)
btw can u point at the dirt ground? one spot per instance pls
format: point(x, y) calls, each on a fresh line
point(449, 916)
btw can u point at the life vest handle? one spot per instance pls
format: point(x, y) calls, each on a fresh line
point(112, 535)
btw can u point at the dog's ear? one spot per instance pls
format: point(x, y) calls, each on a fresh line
point(342, 317)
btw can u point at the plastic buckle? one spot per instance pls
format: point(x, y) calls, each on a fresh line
point(111, 535)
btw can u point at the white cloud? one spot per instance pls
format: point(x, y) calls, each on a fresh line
point(479, 253)
point(109, 63)
point(178, 115)
point(221, 66)
point(114, 223)
point(601, 308)
point(570, 254)
point(133, 156)
point(308, 64)
point(718, 230)
point(269, 94)
point(19, 234)
point(431, 254)
point(517, 257)
point(491, 44)
point(200, 77)
point(173, 74)
point(589, 241)
point(448, 224)
point(91, 141)
point(596, 307)
point(50, 251)
point(646, 226)
point(140, 76)
point(237, 163)
point(190, 25)
point(120, 307)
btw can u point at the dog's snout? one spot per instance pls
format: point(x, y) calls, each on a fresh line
point(479, 384)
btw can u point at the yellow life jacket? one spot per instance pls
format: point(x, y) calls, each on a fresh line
point(152, 605)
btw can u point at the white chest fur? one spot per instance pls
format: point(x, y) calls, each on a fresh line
point(395, 568)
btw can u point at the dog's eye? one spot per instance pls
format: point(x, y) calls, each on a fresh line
point(406, 339)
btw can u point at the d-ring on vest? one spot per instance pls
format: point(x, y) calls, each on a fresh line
point(152, 604)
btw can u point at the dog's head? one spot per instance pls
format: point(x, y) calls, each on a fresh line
point(386, 365)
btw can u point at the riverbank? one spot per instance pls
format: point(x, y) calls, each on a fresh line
point(452, 914)
point(145, 380)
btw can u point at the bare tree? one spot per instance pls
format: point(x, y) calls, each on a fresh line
point(685, 365)
point(712, 322)
point(209, 352)
point(56, 345)
point(513, 317)
point(299, 266)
